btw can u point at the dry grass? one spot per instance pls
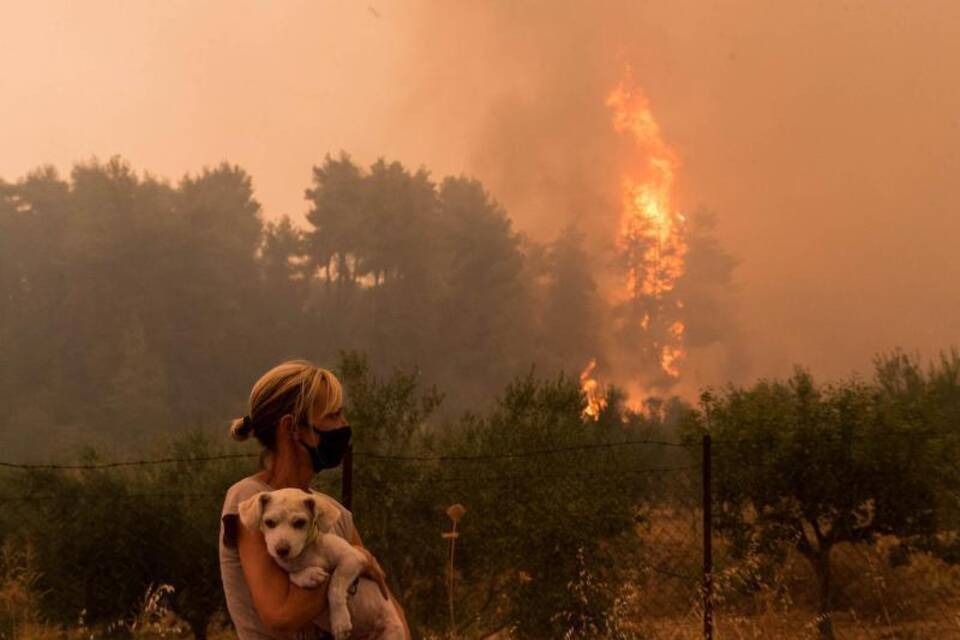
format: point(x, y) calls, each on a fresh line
point(918, 600)
point(20, 618)
point(172, 629)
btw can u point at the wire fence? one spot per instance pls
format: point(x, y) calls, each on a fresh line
point(614, 540)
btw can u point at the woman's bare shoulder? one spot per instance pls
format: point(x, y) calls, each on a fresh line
point(237, 493)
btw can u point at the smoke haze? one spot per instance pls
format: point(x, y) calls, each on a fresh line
point(824, 136)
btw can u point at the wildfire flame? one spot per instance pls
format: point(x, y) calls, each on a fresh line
point(652, 234)
point(652, 231)
point(591, 389)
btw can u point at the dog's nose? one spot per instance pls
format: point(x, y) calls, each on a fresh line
point(283, 550)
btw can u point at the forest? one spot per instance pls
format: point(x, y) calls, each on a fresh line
point(134, 307)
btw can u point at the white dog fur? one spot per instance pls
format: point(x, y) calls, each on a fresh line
point(296, 526)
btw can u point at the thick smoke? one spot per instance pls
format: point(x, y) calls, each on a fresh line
point(822, 135)
point(546, 147)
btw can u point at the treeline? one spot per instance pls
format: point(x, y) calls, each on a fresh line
point(129, 305)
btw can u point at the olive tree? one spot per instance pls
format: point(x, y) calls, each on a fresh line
point(812, 466)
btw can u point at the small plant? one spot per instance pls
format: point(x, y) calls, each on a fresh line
point(155, 615)
point(18, 590)
point(455, 512)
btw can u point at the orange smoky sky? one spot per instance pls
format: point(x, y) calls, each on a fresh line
point(825, 136)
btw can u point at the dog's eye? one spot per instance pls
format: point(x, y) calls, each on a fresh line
point(299, 524)
point(270, 523)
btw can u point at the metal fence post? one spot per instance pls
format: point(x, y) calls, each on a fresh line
point(707, 543)
point(346, 484)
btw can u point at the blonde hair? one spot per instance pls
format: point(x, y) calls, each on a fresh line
point(297, 387)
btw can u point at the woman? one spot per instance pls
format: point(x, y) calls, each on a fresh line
point(296, 414)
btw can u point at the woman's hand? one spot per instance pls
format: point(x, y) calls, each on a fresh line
point(374, 571)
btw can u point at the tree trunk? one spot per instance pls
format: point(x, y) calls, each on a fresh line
point(821, 564)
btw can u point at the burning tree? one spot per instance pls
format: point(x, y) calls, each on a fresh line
point(652, 241)
point(651, 247)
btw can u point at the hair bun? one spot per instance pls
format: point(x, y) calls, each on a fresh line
point(240, 428)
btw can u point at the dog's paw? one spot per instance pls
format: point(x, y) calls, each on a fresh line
point(340, 625)
point(309, 578)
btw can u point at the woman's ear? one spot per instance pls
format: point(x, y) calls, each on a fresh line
point(286, 428)
point(251, 510)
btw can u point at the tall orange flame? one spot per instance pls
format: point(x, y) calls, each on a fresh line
point(652, 236)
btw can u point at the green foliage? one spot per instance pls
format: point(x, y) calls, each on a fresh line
point(531, 521)
point(707, 286)
point(572, 306)
point(814, 466)
point(525, 529)
point(125, 301)
point(419, 275)
point(190, 495)
point(101, 538)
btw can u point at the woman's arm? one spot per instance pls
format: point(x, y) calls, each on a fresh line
point(378, 575)
point(281, 605)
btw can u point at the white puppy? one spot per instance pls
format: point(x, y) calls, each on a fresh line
point(296, 526)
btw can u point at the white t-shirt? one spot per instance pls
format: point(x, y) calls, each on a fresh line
point(239, 602)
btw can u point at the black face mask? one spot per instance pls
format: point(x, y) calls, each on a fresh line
point(333, 445)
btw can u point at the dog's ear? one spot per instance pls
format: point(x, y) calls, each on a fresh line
point(311, 504)
point(251, 510)
point(325, 513)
